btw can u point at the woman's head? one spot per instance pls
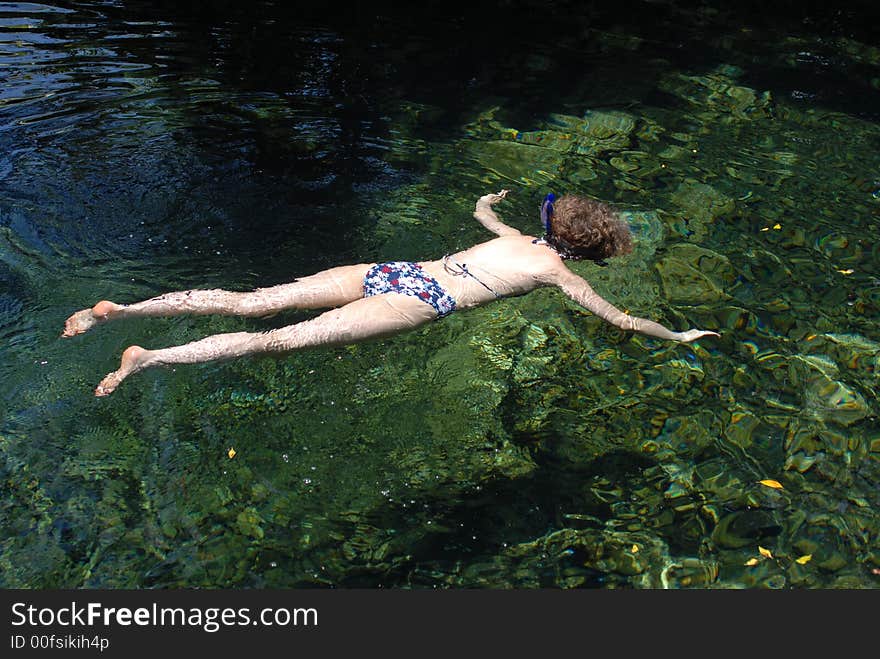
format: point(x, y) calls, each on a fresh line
point(583, 228)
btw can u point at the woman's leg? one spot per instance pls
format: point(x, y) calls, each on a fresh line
point(368, 318)
point(330, 288)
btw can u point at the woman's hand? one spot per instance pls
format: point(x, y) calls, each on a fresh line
point(693, 335)
point(489, 199)
point(487, 217)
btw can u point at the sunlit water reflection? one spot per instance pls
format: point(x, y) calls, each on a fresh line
point(147, 148)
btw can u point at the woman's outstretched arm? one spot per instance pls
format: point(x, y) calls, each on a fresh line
point(581, 292)
point(487, 217)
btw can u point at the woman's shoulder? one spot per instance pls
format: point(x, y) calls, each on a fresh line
point(508, 246)
point(516, 241)
point(536, 248)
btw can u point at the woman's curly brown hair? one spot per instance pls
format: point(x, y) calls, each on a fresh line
point(584, 228)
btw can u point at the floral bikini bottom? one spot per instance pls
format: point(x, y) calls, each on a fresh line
point(408, 278)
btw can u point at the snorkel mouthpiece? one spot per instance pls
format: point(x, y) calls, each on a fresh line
point(547, 212)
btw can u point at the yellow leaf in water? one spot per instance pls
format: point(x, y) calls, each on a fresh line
point(751, 562)
point(764, 552)
point(635, 549)
point(777, 226)
point(776, 485)
point(231, 453)
point(848, 271)
point(804, 559)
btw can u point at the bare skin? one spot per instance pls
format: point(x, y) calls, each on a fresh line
point(511, 264)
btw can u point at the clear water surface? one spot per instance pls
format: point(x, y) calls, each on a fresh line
point(146, 147)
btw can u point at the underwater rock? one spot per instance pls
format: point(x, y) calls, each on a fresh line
point(572, 558)
point(831, 400)
point(102, 454)
point(534, 363)
point(828, 538)
point(470, 445)
point(839, 443)
point(638, 164)
point(810, 441)
point(715, 479)
point(536, 163)
point(860, 52)
point(37, 562)
point(674, 378)
point(799, 462)
point(850, 351)
point(717, 98)
point(627, 555)
point(649, 130)
point(402, 211)
point(742, 425)
point(647, 230)
point(700, 206)
point(692, 275)
point(367, 545)
point(745, 527)
point(686, 436)
point(689, 573)
point(597, 132)
point(548, 139)
point(536, 157)
point(250, 523)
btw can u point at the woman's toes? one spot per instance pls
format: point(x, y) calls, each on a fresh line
point(132, 359)
point(78, 323)
point(108, 385)
point(85, 319)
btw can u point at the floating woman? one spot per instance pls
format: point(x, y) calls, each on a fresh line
point(375, 300)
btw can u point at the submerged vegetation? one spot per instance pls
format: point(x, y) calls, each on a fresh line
point(524, 444)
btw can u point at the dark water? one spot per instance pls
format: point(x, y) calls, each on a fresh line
point(148, 147)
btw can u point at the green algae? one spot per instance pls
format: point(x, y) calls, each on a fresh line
point(417, 461)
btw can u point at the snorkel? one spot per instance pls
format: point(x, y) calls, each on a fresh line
point(547, 213)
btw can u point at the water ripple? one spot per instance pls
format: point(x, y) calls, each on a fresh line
point(147, 148)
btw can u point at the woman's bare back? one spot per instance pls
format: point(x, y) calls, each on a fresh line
point(503, 267)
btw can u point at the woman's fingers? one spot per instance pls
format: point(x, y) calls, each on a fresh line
point(694, 334)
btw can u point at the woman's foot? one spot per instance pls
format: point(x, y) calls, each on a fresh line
point(132, 361)
point(85, 319)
